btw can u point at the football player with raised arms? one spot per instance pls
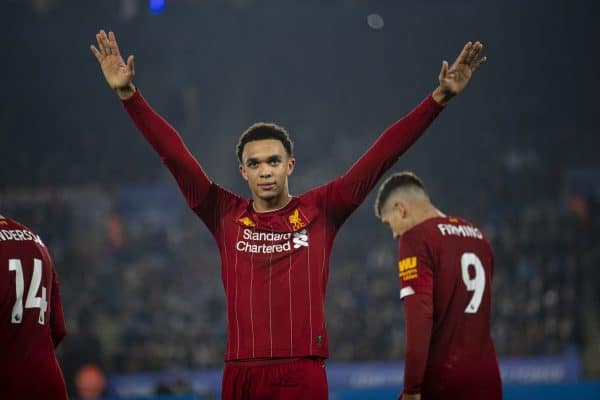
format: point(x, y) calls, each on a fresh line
point(274, 246)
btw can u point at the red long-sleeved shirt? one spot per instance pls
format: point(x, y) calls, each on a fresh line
point(32, 323)
point(445, 271)
point(275, 264)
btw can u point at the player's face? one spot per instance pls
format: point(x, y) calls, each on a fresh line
point(396, 217)
point(266, 166)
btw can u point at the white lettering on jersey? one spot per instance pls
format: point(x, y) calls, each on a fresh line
point(19, 235)
point(280, 242)
point(460, 230)
point(262, 248)
point(266, 236)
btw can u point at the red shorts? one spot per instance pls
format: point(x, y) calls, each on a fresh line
point(286, 379)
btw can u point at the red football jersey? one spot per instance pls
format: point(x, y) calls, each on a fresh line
point(31, 317)
point(445, 270)
point(275, 264)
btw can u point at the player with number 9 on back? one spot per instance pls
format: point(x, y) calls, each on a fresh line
point(31, 317)
point(445, 269)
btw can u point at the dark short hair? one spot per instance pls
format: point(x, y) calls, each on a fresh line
point(395, 181)
point(261, 131)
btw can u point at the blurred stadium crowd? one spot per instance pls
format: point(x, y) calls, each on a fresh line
point(140, 276)
point(142, 291)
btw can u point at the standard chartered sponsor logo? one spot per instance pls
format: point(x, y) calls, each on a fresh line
point(300, 239)
point(266, 236)
point(276, 242)
point(262, 248)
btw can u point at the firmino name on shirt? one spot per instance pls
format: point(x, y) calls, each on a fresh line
point(19, 235)
point(460, 230)
point(283, 241)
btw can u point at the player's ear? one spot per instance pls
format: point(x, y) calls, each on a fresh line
point(400, 208)
point(291, 164)
point(243, 172)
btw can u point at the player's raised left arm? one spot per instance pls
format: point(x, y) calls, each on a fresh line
point(454, 79)
point(118, 73)
point(348, 191)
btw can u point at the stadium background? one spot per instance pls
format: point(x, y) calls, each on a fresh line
point(516, 153)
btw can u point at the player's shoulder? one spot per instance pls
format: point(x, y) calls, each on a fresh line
point(227, 200)
point(9, 223)
point(458, 221)
point(424, 229)
point(444, 226)
point(460, 228)
point(12, 231)
point(225, 193)
point(315, 197)
point(313, 194)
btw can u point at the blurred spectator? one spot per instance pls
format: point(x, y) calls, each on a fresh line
point(90, 382)
point(156, 301)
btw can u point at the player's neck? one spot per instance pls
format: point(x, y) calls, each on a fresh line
point(273, 204)
point(428, 212)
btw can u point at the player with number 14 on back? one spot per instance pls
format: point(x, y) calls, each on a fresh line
point(32, 323)
point(445, 269)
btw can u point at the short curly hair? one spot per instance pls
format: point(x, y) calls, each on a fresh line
point(261, 131)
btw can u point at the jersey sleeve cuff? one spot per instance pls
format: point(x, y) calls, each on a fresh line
point(134, 100)
point(406, 291)
point(429, 101)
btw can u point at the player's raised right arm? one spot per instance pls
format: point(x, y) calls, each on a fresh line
point(165, 140)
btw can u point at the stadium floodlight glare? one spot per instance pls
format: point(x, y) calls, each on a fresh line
point(375, 21)
point(157, 6)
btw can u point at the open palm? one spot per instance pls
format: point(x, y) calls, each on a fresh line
point(455, 78)
point(117, 73)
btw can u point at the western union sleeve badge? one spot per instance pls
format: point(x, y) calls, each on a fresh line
point(407, 269)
